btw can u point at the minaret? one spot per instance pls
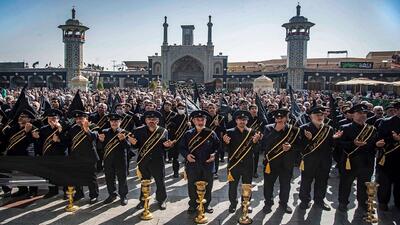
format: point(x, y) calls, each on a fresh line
point(297, 36)
point(165, 25)
point(209, 24)
point(73, 37)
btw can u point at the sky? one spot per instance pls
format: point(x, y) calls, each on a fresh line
point(244, 30)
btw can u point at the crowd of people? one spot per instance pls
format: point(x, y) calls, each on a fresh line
point(312, 130)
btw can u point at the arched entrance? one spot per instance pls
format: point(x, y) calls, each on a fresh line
point(55, 82)
point(3, 82)
point(129, 83)
point(17, 81)
point(143, 82)
point(187, 68)
point(316, 83)
point(36, 81)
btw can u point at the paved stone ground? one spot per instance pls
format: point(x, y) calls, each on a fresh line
point(51, 211)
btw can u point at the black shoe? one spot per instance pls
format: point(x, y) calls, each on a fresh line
point(286, 209)
point(249, 209)
point(162, 205)
point(50, 195)
point(93, 200)
point(222, 160)
point(232, 209)
point(209, 210)
point(140, 205)
point(176, 175)
point(110, 199)
point(6, 194)
point(215, 176)
point(32, 194)
point(191, 210)
point(323, 206)
point(304, 205)
point(78, 197)
point(124, 201)
point(267, 209)
point(383, 207)
point(19, 193)
point(255, 175)
point(342, 207)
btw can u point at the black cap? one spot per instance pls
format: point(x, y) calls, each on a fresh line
point(199, 113)
point(241, 114)
point(152, 114)
point(282, 112)
point(359, 108)
point(118, 104)
point(53, 112)
point(27, 113)
point(114, 116)
point(167, 102)
point(180, 104)
point(346, 109)
point(317, 109)
point(79, 113)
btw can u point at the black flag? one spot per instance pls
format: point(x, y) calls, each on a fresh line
point(262, 112)
point(294, 108)
point(76, 104)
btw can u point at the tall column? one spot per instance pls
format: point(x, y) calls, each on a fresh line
point(165, 25)
point(209, 24)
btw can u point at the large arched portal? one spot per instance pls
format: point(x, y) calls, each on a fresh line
point(187, 68)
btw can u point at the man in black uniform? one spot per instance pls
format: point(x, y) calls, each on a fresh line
point(99, 122)
point(167, 115)
point(239, 143)
point(21, 143)
point(45, 141)
point(257, 125)
point(199, 146)
point(216, 123)
point(152, 141)
point(280, 154)
point(115, 147)
point(316, 159)
point(357, 159)
point(179, 124)
point(388, 162)
point(83, 146)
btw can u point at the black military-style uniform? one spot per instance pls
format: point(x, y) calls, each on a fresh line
point(152, 165)
point(219, 130)
point(361, 162)
point(99, 122)
point(316, 156)
point(256, 124)
point(83, 147)
point(128, 124)
point(115, 161)
point(199, 170)
point(166, 117)
point(177, 127)
point(388, 162)
point(19, 143)
point(243, 158)
point(281, 166)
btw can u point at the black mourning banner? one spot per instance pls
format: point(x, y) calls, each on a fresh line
point(59, 170)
